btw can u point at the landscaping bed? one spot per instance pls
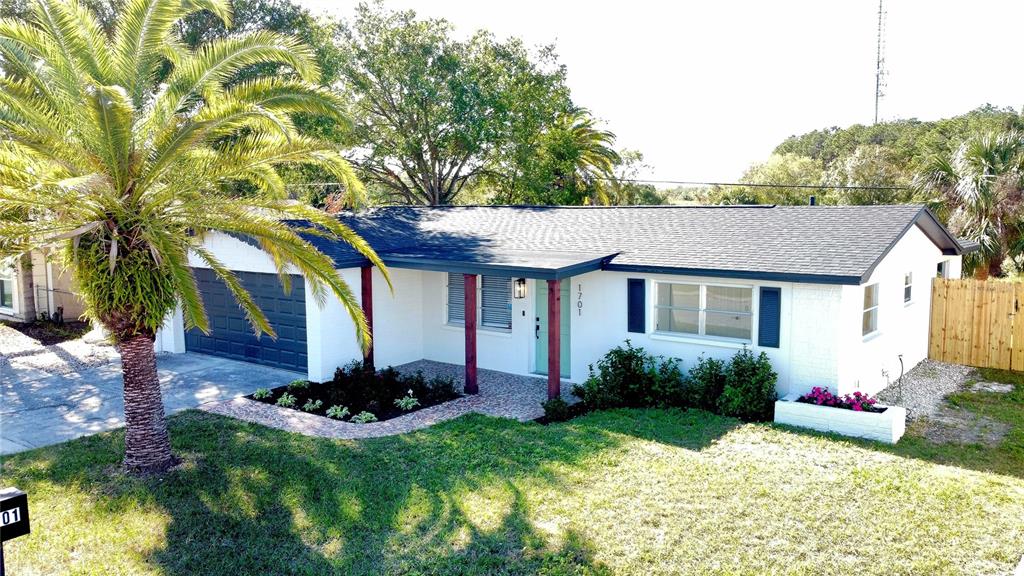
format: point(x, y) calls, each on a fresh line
point(361, 395)
point(47, 332)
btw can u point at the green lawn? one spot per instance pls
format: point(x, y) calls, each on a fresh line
point(624, 492)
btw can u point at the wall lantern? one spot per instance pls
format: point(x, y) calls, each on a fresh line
point(519, 290)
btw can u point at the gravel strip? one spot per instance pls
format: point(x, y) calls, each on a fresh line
point(19, 353)
point(926, 386)
point(503, 395)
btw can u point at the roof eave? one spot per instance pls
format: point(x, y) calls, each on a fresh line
point(737, 274)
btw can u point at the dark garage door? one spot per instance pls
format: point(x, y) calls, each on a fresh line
point(231, 336)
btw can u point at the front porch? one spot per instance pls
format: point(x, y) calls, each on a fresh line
point(532, 337)
point(500, 394)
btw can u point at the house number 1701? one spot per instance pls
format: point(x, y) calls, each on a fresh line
point(579, 299)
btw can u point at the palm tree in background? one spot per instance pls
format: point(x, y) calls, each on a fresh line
point(583, 157)
point(124, 175)
point(980, 191)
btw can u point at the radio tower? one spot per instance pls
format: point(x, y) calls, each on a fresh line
point(880, 58)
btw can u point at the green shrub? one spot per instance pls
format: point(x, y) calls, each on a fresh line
point(299, 384)
point(704, 384)
point(312, 406)
point(749, 392)
point(556, 410)
point(262, 394)
point(337, 412)
point(286, 400)
point(630, 377)
point(364, 418)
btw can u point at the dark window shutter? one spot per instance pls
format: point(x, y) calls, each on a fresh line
point(636, 304)
point(769, 318)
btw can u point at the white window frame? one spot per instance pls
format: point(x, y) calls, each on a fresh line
point(7, 274)
point(908, 288)
point(702, 312)
point(867, 309)
point(479, 306)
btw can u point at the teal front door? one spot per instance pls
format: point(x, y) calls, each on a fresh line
point(541, 327)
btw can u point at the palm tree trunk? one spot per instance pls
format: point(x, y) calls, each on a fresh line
point(147, 444)
point(28, 288)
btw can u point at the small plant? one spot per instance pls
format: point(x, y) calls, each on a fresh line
point(556, 410)
point(286, 401)
point(337, 412)
point(311, 406)
point(857, 401)
point(364, 418)
point(408, 402)
point(262, 394)
point(299, 384)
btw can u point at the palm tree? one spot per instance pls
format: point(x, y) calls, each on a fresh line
point(582, 156)
point(980, 189)
point(122, 150)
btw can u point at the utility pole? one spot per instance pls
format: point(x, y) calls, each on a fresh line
point(880, 58)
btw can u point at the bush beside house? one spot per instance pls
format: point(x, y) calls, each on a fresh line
point(630, 377)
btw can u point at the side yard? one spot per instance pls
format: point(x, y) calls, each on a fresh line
point(620, 491)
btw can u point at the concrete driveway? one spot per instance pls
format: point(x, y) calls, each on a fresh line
point(39, 409)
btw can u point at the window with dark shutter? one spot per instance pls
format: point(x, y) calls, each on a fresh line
point(637, 308)
point(769, 320)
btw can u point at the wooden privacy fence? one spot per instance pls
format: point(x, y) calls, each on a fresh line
point(978, 323)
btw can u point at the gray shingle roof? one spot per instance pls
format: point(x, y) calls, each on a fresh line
point(838, 244)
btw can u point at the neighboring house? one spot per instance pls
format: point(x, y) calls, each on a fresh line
point(51, 284)
point(833, 295)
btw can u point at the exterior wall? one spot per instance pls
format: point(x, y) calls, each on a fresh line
point(870, 363)
point(53, 288)
point(506, 351)
point(808, 340)
point(397, 316)
point(820, 339)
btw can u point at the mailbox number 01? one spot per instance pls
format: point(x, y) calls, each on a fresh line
point(11, 516)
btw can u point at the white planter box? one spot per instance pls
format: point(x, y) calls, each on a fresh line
point(886, 426)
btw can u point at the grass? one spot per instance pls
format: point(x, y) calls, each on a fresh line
point(619, 492)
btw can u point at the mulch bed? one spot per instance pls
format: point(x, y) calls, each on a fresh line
point(362, 390)
point(49, 333)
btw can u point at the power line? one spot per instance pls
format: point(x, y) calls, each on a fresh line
point(695, 183)
point(749, 185)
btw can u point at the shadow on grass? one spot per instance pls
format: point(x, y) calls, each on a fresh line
point(446, 500)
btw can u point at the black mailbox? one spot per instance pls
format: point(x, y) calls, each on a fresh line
point(13, 514)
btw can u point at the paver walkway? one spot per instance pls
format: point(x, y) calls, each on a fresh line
point(501, 394)
point(45, 403)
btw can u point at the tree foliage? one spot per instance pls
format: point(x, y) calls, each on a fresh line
point(979, 189)
point(433, 113)
point(875, 164)
point(118, 148)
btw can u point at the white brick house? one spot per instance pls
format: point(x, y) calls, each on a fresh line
point(835, 296)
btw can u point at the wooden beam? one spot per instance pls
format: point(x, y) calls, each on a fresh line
point(469, 288)
point(366, 277)
point(554, 338)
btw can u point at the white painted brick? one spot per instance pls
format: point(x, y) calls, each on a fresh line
point(887, 426)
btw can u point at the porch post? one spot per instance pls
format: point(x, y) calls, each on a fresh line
point(366, 277)
point(554, 338)
point(469, 287)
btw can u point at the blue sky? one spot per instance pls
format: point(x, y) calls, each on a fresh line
point(704, 89)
